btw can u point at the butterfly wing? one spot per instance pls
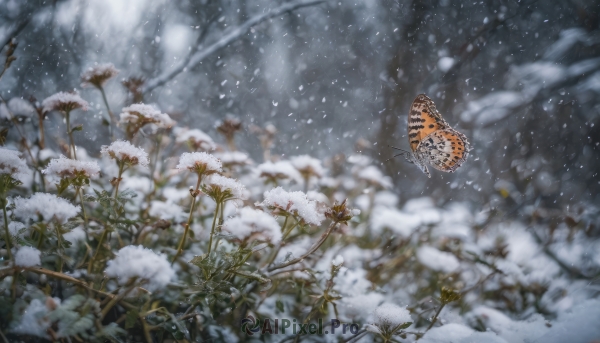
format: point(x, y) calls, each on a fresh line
point(423, 119)
point(445, 150)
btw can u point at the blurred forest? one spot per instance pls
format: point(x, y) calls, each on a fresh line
point(520, 78)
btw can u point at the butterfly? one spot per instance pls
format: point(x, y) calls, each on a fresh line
point(432, 140)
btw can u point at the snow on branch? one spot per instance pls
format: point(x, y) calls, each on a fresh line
point(227, 39)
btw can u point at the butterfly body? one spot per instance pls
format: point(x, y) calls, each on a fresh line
point(432, 140)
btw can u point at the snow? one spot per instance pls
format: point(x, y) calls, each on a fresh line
point(279, 170)
point(146, 113)
point(137, 261)
point(16, 107)
point(27, 257)
point(49, 206)
point(34, 321)
point(197, 137)
point(166, 210)
point(308, 165)
point(206, 162)
point(251, 223)
point(237, 190)
point(14, 227)
point(389, 316)
point(125, 151)
point(437, 260)
point(233, 158)
point(98, 75)
point(373, 175)
point(294, 202)
point(11, 163)
point(65, 167)
point(457, 333)
point(76, 235)
point(492, 107)
point(399, 222)
point(64, 102)
point(338, 260)
point(508, 329)
point(577, 325)
point(568, 38)
point(445, 63)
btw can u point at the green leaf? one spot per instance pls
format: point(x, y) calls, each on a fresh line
point(130, 318)
point(3, 134)
point(279, 305)
point(77, 128)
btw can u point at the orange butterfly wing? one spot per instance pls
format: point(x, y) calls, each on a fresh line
point(451, 150)
point(423, 119)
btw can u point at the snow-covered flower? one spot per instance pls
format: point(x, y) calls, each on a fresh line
point(138, 115)
point(49, 206)
point(221, 188)
point(16, 107)
point(233, 158)
point(15, 227)
point(374, 176)
point(137, 261)
point(64, 167)
point(337, 261)
point(295, 203)
point(64, 102)
point(200, 163)
point(308, 166)
point(126, 152)
point(437, 260)
point(166, 210)
point(279, 170)
point(13, 165)
point(27, 257)
point(98, 75)
point(253, 224)
point(197, 138)
point(388, 318)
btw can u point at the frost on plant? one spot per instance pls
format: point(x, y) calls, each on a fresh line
point(123, 151)
point(98, 75)
point(13, 165)
point(64, 102)
point(45, 205)
point(136, 262)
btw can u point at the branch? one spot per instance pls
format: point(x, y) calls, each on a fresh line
point(14, 31)
point(227, 39)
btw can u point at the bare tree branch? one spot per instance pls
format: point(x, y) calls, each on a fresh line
point(198, 56)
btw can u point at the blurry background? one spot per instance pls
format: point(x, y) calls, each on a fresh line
point(520, 78)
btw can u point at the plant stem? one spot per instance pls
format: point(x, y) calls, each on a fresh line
point(121, 169)
point(91, 263)
point(115, 300)
point(435, 317)
point(212, 229)
point(70, 133)
point(82, 206)
point(189, 222)
point(59, 243)
point(110, 114)
point(6, 232)
point(310, 251)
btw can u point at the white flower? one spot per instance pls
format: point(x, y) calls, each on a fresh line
point(387, 317)
point(253, 223)
point(11, 163)
point(199, 139)
point(16, 107)
point(27, 257)
point(308, 166)
point(199, 162)
point(294, 202)
point(98, 75)
point(66, 167)
point(64, 102)
point(223, 183)
point(145, 264)
point(279, 170)
point(142, 114)
point(125, 151)
point(49, 206)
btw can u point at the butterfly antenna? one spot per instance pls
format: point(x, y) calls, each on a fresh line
point(400, 154)
point(393, 147)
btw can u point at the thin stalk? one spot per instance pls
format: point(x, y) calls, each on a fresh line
point(102, 238)
point(115, 300)
point(110, 114)
point(435, 317)
point(70, 133)
point(82, 206)
point(59, 243)
point(39, 243)
point(121, 169)
point(314, 248)
point(6, 232)
point(212, 229)
point(42, 143)
point(189, 222)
